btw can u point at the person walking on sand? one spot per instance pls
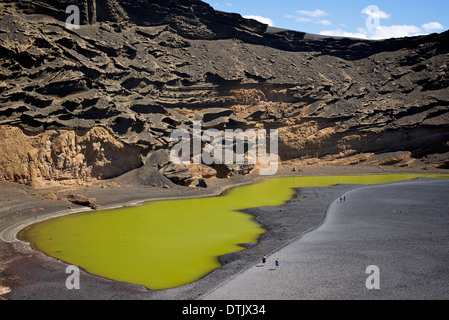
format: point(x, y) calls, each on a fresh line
point(264, 260)
point(277, 263)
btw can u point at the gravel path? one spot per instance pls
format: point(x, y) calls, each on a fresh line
point(402, 228)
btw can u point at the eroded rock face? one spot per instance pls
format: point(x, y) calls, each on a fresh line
point(137, 70)
point(57, 157)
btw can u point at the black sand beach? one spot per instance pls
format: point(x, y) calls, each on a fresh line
point(29, 275)
point(400, 228)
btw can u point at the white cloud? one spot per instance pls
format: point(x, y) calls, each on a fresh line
point(395, 31)
point(310, 16)
point(301, 19)
point(325, 22)
point(378, 33)
point(218, 4)
point(342, 33)
point(313, 14)
point(261, 19)
point(431, 26)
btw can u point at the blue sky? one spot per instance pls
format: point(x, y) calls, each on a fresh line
point(373, 19)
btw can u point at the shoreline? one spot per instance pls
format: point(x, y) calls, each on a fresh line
point(231, 263)
point(215, 193)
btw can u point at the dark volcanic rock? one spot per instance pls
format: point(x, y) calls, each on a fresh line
point(143, 68)
point(81, 200)
point(178, 173)
point(145, 176)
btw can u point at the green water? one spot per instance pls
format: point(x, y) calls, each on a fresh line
point(165, 244)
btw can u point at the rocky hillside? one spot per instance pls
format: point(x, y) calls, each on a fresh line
point(94, 103)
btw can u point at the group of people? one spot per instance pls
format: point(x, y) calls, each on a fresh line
point(276, 263)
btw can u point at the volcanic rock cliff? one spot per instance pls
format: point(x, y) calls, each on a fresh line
point(99, 101)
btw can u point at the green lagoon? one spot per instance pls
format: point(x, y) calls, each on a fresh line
point(165, 244)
